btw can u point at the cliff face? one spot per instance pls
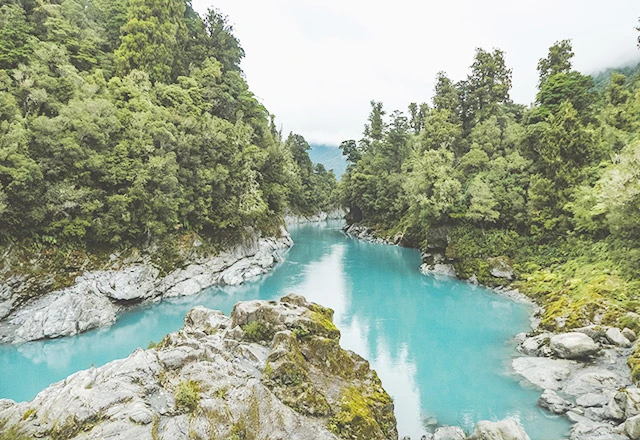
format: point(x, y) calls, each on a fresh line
point(96, 297)
point(271, 370)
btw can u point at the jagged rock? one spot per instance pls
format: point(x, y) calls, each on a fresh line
point(270, 370)
point(592, 380)
point(586, 429)
point(632, 427)
point(449, 433)
point(96, 297)
point(624, 404)
point(336, 214)
point(594, 399)
point(501, 267)
point(536, 345)
point(615, 336)
point(438, 269)
point(546, 373)
point(554, 403)
point(629, 334)
point(573, 345)
point(62, 313)
point(507, 429)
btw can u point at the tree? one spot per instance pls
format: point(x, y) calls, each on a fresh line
point(376, 126)
point(481, 203)
point(351, 150)
point(417, 115)
point(446, 96)
point(488, 85)
point(557, 61)
point(14, 36)
point(149, 38)
point(223, 45)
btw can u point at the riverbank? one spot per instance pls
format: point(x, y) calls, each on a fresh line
point(321, 216)
point(592, 390)
point(96, 297)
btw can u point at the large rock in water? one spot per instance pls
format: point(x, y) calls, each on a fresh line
point(573, 345)
point(271, 370)
point(507, 429)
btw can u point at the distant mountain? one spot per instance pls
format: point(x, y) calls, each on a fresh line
point(330, 156)
point(601, 78)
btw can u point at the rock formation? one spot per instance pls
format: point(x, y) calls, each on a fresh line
point(271, 370)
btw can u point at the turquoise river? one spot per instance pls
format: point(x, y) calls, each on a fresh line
point(442, 348)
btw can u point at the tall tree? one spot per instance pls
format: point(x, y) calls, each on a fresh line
point(488, 85)
point(557, 61)
point(149, 38)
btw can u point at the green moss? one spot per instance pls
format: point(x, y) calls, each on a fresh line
point(634, 364)
point(28, 413)
point(257, 331)
point(187, 396)
point(359, 415)
point(326, 324)
point(326, 354)
point(72, 427)
point(12, 433)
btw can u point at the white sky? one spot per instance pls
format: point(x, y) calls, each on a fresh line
point(316, 64)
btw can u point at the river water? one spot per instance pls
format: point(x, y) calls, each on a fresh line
point(441, 347)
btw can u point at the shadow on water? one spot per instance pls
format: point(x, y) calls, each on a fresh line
point(441, 347)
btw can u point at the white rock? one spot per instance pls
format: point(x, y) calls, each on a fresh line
point(554, 403)
point(545, 373)
point(449, 433)
point(594, 399)
point(138, 397)
point(507, 429)
point(96, 297)
point(66, 312)
point(573, 345)
point(629, 334)
point(592, 380)
point(615, 336)
point(632, 427)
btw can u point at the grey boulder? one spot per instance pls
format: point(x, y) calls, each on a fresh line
point(573, 345)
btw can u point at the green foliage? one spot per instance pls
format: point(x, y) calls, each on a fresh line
point(554, 188)
point(124, 123)
point(187, 396)
point(257, 331)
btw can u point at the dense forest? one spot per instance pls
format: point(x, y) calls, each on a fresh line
point(554, 187)
point(127, 121)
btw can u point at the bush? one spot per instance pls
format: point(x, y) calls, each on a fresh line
point(188, 396)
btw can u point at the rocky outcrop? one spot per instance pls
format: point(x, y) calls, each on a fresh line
point(436, 263)
point(336, 214)
point(367, 234)
point(271, 370)
point(96, 297)
point(573, 345)
point(501, 267)
point(507, 429)
point(591, 383)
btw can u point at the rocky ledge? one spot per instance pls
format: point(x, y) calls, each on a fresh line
point(336, 214)
point(367, 234)
point(271, 370)
point(584, 376)
point(96, 297)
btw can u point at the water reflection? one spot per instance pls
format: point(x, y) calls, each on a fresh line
point(441, 347)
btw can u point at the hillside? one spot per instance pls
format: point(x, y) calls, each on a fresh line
point(545, 198)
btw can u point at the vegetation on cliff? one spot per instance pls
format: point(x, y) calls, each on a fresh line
point(554, 187)
point(124, 121)
point(127, 123)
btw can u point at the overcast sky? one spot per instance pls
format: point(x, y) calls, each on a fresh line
point(317, 64)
